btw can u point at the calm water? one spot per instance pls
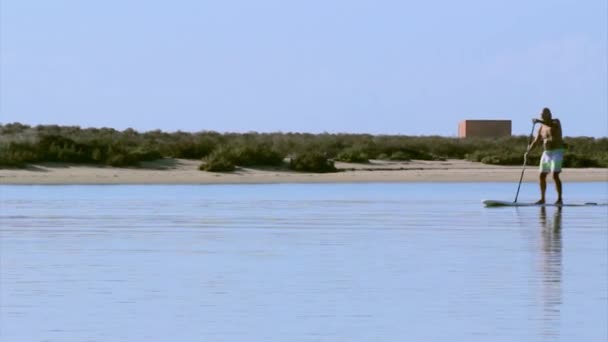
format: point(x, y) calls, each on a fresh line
point(329, 262)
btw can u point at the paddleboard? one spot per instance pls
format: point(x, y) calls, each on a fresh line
point(493, 203)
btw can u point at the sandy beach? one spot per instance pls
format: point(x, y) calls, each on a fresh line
point(181, 171)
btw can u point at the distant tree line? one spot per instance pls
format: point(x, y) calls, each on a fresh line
point(21, 145)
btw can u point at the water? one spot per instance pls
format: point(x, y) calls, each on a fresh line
point(325, 262)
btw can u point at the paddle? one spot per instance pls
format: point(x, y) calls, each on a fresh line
point(525, 160)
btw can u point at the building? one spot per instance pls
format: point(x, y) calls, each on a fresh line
point(484, 128)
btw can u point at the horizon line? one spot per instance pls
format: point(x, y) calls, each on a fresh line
point(140, 131)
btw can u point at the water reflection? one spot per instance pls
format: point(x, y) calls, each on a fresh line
point(551, 269)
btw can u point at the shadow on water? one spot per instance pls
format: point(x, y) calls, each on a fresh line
point(551, 270)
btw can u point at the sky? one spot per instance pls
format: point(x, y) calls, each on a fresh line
point(342, 66)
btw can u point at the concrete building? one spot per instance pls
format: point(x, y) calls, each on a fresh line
point(484, 128)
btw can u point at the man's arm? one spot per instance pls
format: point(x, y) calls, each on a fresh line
point(535, 141)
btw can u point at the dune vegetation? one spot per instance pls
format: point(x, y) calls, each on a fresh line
point(21, 145)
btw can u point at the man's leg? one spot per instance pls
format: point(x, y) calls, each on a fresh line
point(558, 187)
point(556, 168)
point(543, 187)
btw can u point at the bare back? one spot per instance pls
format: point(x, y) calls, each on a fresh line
point(551, 135)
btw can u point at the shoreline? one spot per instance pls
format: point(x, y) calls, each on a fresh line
point(182, 171)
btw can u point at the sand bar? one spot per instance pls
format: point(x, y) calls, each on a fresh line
point(181, 171)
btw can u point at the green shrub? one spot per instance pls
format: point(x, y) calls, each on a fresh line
point(196, 148)
point(353, 155)
point(400, 156)
point(490, 160)
point(577, 160)
point(602, 159)
point(143, 155)
point(17, 155)
point(22, 144)
point(11, 159)
point(219, 161)
point(312, 162)
point(122, 159)
point(474, 157)
point(256, 155)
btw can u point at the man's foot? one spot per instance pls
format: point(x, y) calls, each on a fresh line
point(559, 202)
point(542, 201)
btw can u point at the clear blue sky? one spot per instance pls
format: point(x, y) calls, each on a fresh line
point(373, 66)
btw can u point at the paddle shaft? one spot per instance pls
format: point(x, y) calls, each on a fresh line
point(525, 162)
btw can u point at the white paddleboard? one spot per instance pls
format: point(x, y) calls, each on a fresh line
point(493, 203)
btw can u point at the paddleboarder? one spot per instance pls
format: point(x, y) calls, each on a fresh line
point(550, 133)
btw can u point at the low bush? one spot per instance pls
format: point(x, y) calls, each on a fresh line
point(22, 144)
point(120, 159)
point(577, 160)
point(14, 159)
point(353, 155)
point(256, 155)
point(400, 156)
point(312, 162)
point(218, 161)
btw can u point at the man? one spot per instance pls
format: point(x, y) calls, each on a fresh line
point(550, 132)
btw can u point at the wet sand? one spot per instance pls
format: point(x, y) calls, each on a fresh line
point(181, 171)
